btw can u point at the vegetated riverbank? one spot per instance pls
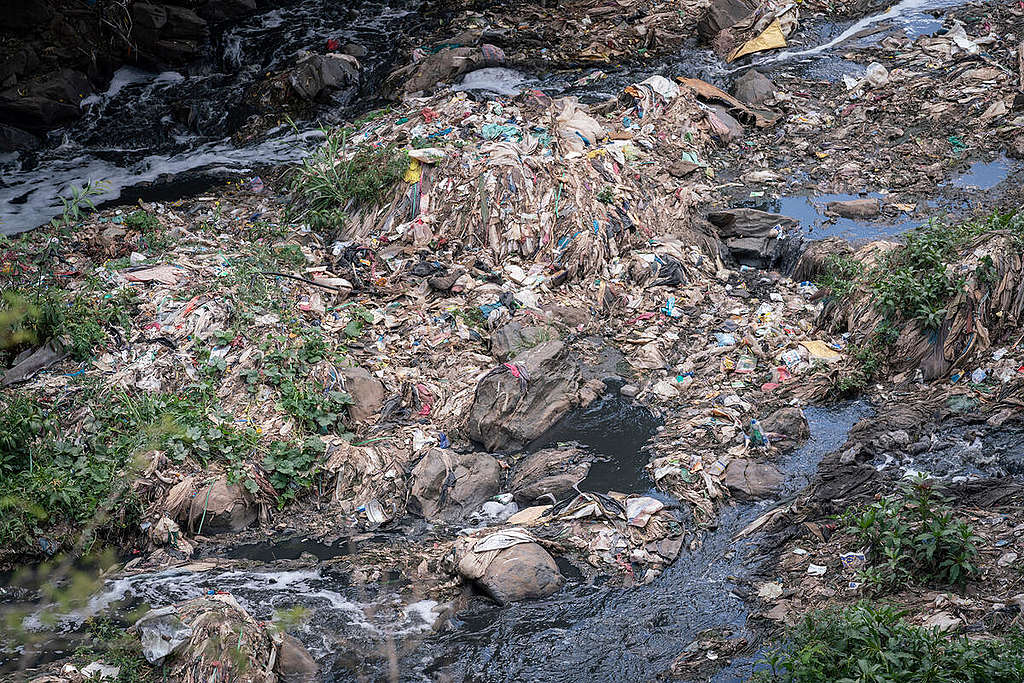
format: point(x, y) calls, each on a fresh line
point(341, 396)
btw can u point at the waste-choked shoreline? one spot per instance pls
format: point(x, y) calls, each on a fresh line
point(369, 351)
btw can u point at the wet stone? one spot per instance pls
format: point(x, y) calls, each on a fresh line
point(522, 572)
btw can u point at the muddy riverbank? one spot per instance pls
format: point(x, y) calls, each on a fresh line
point(543, 371)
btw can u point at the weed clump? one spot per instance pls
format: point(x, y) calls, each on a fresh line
point(874, 643)
point(328, 183)
point(913, 538)
point(916, 281)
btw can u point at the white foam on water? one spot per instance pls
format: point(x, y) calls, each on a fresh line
point(31, 198)
point(496, 79)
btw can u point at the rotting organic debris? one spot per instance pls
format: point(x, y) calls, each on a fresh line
point(457, 252)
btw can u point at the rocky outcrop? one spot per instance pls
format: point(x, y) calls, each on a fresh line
point(167, 35)
point(522, 572)
point(549, 475)
point(517, 402)
point(752, 480)
point(45, 102)
point(447, 485)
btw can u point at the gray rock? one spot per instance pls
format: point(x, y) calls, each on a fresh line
point(315, 74)
point(548, 475)
point(294, 663)
point(16, 140)
point(46, 101)
point(854, 208)
point(788, 423)
point(753, 88)
point(629, 390)
point(183, 24)
point(149, 16)
point(509, 412)
point(447, 485)
point(367, 393)
point(521, 572)
point(219, 506)
point(752, 480)
point(512, 338)
point(722, 14)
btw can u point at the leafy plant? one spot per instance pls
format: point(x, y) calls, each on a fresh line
point(81, 198)
point(915, 282)
point(291, 467)
point(913, 538)
point(143, 221)
point(21, 423)
point(869, 643)
point(606, 196)
point(330, 180)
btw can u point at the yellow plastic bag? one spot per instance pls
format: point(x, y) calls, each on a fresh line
point(769, 39)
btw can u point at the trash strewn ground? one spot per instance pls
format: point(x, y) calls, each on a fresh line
point(368, 347)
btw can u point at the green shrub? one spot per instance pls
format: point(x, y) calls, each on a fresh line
point(913, 538)
point(143, 221)
point(915, 281)
point(871, 643)
point(325, 184)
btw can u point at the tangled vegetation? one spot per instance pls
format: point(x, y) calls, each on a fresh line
point(915, 281)
point(914, 538)
point(869, 643)
point(55, 478)
point(81, 321)
point(328, 184)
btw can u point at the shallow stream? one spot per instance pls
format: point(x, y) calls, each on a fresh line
point(586, 632)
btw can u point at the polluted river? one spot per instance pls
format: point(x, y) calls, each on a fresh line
point(560, 368)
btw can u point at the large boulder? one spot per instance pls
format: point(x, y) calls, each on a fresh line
point(514, 405)
point(447, 485)
point(786, 427)
point(720, 15)
point(522, 572)
point(167, 35)
point(367, 393)
point(211, 505)
point(47, 101)
point(294, 663)
point(549, 474)
point(752, 480)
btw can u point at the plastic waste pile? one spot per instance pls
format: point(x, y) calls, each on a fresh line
point(542, 179)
